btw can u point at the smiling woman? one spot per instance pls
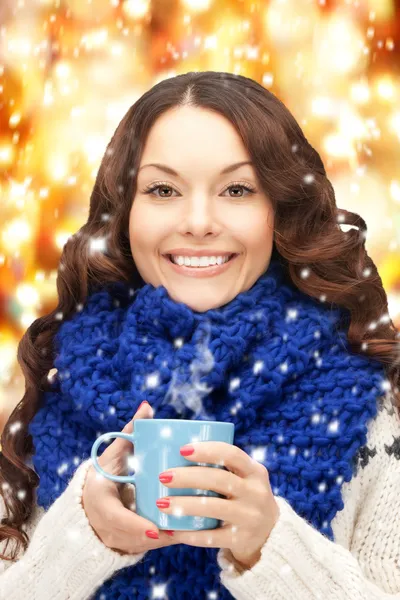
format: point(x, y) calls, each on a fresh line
point(290, 340)
point(201, 210)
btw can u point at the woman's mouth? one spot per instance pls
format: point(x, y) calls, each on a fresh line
point(201, 271)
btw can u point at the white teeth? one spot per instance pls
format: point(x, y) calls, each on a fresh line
point(202, 261)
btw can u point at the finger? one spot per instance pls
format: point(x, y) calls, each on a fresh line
point(124, 522)
point(206, 478)
point(233, 510)
point(119, 446)
point(220, 537)
point(223, 454)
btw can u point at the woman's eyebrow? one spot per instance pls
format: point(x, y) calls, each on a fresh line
point(170, 171)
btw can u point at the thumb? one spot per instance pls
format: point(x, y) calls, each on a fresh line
point(120, 447)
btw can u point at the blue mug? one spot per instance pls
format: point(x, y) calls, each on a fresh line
point(157, 444)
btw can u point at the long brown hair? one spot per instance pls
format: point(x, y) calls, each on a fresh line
point(308, 236)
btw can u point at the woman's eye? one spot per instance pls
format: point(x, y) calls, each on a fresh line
point(165, 187)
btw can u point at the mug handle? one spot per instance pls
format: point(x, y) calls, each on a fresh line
point(103, 438)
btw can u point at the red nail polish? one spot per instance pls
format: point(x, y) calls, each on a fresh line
point(152, 534)
point(162, 503)
point(165, 477)
point(187, 450)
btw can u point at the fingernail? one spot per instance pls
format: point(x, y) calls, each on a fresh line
point(163, 503)
point(169, 531)
point(187, 450)
point(144, 402)
point(165, 477)
point(152, 534)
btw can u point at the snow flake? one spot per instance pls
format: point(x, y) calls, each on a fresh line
point(158, 590)
point(98, 244)
point(292, 314)
point(15, 426)
point(258, 454)
point(309, 178)
point(153, 380)
point(334, 426)
point(234, 383)
point(178, 342)
point(316, 418)
point(62, 468)
point(166, 432)
point(258, 365)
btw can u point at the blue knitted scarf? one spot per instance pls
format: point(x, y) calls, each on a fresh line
point(273, 361)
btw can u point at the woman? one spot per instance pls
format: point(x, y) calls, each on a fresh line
point(286, 335)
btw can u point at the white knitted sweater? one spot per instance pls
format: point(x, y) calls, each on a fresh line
point(65, 559)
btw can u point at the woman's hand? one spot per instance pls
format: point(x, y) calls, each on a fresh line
point(115, 525)
point(249, 510)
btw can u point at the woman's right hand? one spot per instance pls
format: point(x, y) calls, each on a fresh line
point(118, 527)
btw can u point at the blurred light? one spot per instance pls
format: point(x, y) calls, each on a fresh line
point(339, 145)
point(94, 148)
point(21, 47)
point(136, 8)
point(338, 45)
point(95, 39)
point(382, 10)
point(44, 192)
point(395, 191)
point(48, 97)
point(7, 154)
point(27, 295)
point(61, 238)
point(386, 89)
point(57, 167)
point(14, 119)
point(8, 351)
point(395, 123)
point(196, 5)
point(27, 319)
point(360, 93)
point(62, 70)
point(15, 233)
point(291, 22)
point(322, 106)
point(267, 79)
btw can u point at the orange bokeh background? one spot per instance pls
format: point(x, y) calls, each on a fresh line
point(69, 70)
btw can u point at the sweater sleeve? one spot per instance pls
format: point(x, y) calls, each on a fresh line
point(363, 563)
point(65, 559)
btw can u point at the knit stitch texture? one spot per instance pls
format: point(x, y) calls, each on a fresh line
point(273, 361)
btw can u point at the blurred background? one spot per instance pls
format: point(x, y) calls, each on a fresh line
point(69, 71)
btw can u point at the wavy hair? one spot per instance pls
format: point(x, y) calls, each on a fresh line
point(308, 238)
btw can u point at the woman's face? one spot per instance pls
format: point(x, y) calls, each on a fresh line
point(196, 210)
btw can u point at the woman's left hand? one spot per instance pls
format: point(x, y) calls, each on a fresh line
point(249, 510)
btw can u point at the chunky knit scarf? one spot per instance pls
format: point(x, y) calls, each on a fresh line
point(273, 361)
